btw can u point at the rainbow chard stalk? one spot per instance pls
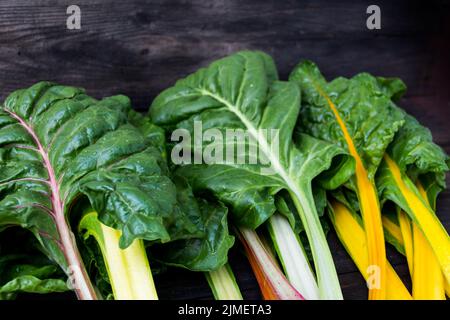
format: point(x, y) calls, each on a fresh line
point(241, 92)
point(428, 279)
point(357, 115)
point(406, 233)
point(271, 280)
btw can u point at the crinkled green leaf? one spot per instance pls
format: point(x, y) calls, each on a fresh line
point(362, 102)
point(93, 151)
point(392, 87)
point(415, 153)
point(155, 135)
point(58, 145)
point(206, 253)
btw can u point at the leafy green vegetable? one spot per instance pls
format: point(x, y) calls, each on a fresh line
point(363, 105)
point(203, 253)
point(415, 153)
point(241, 92)
point(209, 250)
point(57, 145)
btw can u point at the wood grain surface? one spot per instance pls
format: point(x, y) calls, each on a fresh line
point(139, 47)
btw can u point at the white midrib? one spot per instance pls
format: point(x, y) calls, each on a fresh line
point(326, 281)
point(81, 282)
point(262, 142)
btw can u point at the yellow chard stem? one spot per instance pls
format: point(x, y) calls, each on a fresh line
point(406, 234)
point(447, 288)
point(427, 277)
point(370, 209)
point(422, 214)
point(353, 237)
point(393, 229)
point(128, 269)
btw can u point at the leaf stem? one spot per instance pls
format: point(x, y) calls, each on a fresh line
point(292, 256)
point(223, 284)
point(128, 269)
point(351, 233)
point(78, 277)
point(422, 215)
point(272, 282)
point(327, 278)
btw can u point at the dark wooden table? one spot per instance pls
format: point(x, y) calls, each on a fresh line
point(140, 47)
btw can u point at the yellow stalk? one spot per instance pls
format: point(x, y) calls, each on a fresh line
point(393, 229)
point(128, 269)
point(427, 279)
point(423, 215)
point(353, 237)
point(447, 288)
point(407, 237)
point(370, 210)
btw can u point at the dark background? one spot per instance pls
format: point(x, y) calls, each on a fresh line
point(138, 48)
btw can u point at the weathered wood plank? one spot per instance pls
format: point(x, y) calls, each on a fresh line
point(139, 48)
point(106, 67)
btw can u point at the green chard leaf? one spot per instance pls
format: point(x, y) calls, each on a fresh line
point(363, 105)
point(241, 92)
point(416, 155)
point(58, 145)
point(208, 251)
point(203, 253)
